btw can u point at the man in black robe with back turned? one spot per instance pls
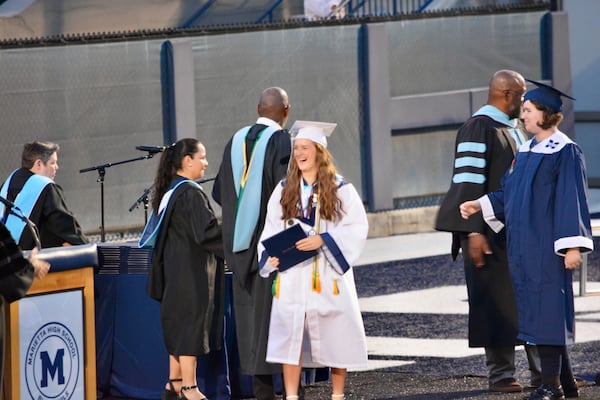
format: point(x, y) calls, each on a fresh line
point(254, 160)
point(485, 149)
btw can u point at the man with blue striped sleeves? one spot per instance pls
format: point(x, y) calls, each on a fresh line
point(485, 148)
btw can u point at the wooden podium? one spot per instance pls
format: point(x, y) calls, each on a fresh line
point(50, 333)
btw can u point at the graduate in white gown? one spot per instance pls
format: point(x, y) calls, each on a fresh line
point(543, 204)
point(315, 317)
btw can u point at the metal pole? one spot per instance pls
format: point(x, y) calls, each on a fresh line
point(583, 276)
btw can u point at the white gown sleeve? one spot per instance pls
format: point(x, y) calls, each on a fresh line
point(345, 239)
point(273, 225)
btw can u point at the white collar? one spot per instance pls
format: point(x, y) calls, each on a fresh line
point(552, 144)
point(268, 122)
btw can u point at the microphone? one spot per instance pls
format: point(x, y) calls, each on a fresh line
point(152, 149)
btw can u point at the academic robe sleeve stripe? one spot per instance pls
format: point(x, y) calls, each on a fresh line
point(489, 215)
point(334, 254)
point(475, 162)
point(584, 244)
point(469, 177)
point(474, 147)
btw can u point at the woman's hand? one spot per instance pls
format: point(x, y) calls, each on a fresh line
point(309, 243)
point(573, 258)
point(274, 261)
point(469, 208)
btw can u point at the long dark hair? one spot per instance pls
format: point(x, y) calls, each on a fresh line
point(170, 161)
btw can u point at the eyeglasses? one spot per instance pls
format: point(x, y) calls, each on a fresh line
point(518, 93)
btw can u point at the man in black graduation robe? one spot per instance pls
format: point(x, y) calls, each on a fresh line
point(485, 148)
point(56, 224)
point(252, 294)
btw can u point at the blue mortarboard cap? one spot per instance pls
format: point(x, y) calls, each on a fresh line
point(546, 95)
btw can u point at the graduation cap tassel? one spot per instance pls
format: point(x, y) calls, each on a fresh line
point(275, 287)
point(316, 286)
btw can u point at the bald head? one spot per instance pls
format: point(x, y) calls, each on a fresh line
point(273, 104)
point(506, 92)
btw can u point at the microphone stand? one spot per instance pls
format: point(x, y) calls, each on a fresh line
point(144, 198)
point(202, 180)
point(16, 211)
point(101, 173)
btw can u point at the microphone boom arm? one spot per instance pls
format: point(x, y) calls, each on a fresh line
point(101, 173)
point(11, 208)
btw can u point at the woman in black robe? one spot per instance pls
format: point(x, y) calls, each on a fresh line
point(187, 275)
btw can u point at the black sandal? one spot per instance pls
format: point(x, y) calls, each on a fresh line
point(183, 388)
point(170, 393)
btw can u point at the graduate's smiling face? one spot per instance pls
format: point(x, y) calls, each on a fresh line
point(532, 117)
point(305, 154)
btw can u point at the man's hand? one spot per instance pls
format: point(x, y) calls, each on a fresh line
point(478, 247)
point(40, 267)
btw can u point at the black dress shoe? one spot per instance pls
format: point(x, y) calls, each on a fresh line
point(545, 392)
point(571, 389)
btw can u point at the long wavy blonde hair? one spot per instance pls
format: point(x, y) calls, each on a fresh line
point(330, 205)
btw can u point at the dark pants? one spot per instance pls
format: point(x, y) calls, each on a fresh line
point(556, 366)
point(264, 389)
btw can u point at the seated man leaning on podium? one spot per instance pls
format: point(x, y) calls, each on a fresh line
point(33, 190)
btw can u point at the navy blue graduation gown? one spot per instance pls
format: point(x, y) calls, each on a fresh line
point(543, 203)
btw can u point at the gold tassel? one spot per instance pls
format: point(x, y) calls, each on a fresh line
point(336, 290)
point(316, 278)
point(275, 287)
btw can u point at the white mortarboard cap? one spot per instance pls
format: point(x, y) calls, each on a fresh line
point(312, 130)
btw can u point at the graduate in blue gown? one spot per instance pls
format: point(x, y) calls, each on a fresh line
point(543, 205)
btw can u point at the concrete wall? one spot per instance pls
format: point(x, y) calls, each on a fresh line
point(101, 100)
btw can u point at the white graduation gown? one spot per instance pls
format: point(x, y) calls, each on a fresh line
point(325, 326)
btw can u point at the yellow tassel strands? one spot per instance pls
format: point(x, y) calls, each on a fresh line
point(275, 287)
point(336, 289)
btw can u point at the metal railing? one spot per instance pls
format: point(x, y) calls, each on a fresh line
point(267, 16)
point(361, 8)
point(190, 22)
